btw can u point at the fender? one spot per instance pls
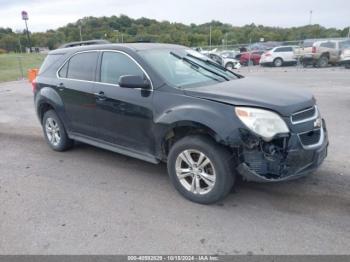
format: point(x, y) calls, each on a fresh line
point(48, 95)
point(214, 117)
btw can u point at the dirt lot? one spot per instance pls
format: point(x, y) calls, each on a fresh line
point(92, 201)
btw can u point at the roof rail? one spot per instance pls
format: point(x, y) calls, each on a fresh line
point(88, 42)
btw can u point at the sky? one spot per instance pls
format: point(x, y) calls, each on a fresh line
point(46, 14)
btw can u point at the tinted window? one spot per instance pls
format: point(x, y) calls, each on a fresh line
point(308, 43)
point(82, 66)
point(284, 49)
point(63, 71)
point(328, 44)
point(49, 60)
point(114, 65)
point(344, 44)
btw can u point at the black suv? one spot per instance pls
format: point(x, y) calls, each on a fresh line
point(160, 102)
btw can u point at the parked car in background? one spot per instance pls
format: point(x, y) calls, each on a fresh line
point(252, 57)
point(227, 62)
point(320, 53)
point(278, 56)
point(345, 58)
point(230, 54)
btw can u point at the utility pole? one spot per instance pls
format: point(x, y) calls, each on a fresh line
point(81, 37)
point(20, 45)
point(117, 38)
point(310, 19)
point(210, 36)
point(25, 18)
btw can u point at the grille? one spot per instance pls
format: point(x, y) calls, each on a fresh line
point(310, 138)
point(304, 115)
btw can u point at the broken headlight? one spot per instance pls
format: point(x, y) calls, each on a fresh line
point(262, 122)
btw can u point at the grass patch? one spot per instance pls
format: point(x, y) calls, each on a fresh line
point(10, 68)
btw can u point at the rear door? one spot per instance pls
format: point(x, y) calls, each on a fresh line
point(286, 53)
point(76, 82)
point(330, 48)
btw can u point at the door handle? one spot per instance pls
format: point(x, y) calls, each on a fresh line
point(100, 95)
point(61, 86)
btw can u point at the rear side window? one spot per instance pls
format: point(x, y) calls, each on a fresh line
point(308, 43)
point(114, 65)
point(344, 44)
point(328, 45)
point(82, 66)
point(63, 71)
point(284, 49)
point(49, 61)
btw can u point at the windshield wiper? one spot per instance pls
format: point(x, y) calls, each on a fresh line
point(199, 65)
point(207, 61)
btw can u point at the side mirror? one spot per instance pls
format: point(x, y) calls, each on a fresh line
point(131, 81)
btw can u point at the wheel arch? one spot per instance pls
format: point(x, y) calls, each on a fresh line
point(278, 57)
point(327, 54)
point(43, 107)
point(47, 99)
point(181, 129)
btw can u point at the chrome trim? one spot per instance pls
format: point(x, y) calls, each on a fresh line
point(313, 146)
point(103, 50)
point(315, 116)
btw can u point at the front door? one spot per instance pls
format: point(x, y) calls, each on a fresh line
point(124, 116)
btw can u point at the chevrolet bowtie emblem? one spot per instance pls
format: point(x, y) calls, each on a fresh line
point(318, 123)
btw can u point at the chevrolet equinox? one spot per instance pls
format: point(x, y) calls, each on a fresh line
point(161, 102)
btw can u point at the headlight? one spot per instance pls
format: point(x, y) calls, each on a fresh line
point(264, 123)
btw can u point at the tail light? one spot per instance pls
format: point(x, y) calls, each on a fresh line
point(314, 49)
point(34, 86)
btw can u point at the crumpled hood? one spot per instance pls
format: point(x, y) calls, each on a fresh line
point(280, 97)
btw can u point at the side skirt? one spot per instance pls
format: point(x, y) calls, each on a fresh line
point(114, 148)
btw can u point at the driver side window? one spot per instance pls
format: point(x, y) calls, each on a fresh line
point(114, 65)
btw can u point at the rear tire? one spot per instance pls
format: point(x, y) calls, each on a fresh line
point(278, 62)
point(323, 61)
point(201, 170)
point(55, 133)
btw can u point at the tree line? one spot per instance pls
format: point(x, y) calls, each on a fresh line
point(126, 29)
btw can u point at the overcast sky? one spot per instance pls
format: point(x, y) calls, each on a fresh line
point(46, 14)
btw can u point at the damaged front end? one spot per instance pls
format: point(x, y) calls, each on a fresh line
point(286, 156)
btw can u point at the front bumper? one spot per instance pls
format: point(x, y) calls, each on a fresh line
point(266, 60)
point(282, 159)
point(344, 61)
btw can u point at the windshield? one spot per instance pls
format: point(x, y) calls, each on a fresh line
point(183, 68)
point(344, 45)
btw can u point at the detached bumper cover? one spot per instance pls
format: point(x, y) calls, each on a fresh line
point(283, 159)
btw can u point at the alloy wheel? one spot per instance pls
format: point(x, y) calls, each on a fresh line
point(52, 131)
point(195, 171)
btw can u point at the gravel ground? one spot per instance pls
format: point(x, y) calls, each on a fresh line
point(91, 201)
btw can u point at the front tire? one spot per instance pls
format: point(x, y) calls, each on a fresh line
point(201, 170)
point(55, 133)
point(229, 66)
